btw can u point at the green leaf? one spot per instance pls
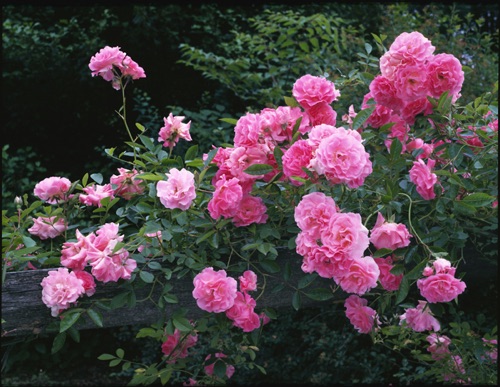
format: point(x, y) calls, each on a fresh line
point(96, 317)
point(220, 368)
point(290, 101)
point(105, 357)
point(140, 127)
point(147, 277)
point(68, 320)
point(404, 288)
point(306, 280)
point(381, 252)
point(204, 236)
point(115, 362)
point(182, 324)
point(191, 153)
point(296, 300)
point(463, 208)
point(58, 342)
point(150, 176)
point(231, 121)
point(120, 353)
point(361, 117)
point(416, 272)
point(478, 200)
point(97, 177)
point(270, 266)
point(258, 169)
point(320, 294)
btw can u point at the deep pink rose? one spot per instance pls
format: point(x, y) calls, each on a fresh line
point(176, 345)
point(226, 198)
point(48, 227)
point(440, 287)
point(209, 369)
point(251, 209)
point(313, 213)
point(388, 235)
point(420, 318)
point(95, 193)
point(243, 157)
point(411, 83)
point(248, 130)
point(445, 74)
point(361, 316)
point(61, 288)
point(389, 281)
point(295, 158)
point(87, 281)
point(178, 191)
point(321, 113)
point(362, 276)
point(174, 129)
point(214, 291)
point(242, 313)
point(413, 108)
point(385, 94)
point(310, 90)
point(421, 175)
point(125, 184)
point(52, 189)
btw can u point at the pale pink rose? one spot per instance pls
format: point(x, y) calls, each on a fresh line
point(318, 133)
point(248, 281)
point(342, 159)
point(178, 191)
point(226, 198)
point(176, 345)
point(74, 254)
point(389, 281)
point(209, 369)
point(242, 313)
point(87, 282)
point(248, 130)
point(420, 318)
point(126, 184)
point(456, 366)
point(362, 276)
point(251, 210)
point(412, 109)
point(380, 116)
point(61, 288)
point(389, 235)
point(313, 213)
point(48, 227)
point(443, 266)
point(174, 129)
point(310, 90)
point(243, 157)
point(295, 158)
point(105, 234)
point(445, 74)
point(385, 94)
point(411, 83)
point(109, 266)
point(95, 193)
point(321, 113)
point(361, 316)
point(438, 346)
point(132, 69)
point(421, 175)
point(346, 232)
point(286, 118)
point(104, 61)
point(214, 291)
point(440, 287)
point(53, 189)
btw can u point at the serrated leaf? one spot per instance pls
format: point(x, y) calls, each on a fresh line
point(361, 117)
point(478, 199)
point(404, 288)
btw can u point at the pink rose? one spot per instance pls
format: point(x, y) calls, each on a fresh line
point(214, 291)
point(248, 130)
point(313, 213)
point(321, 113)
point(248, 281)
point(361, 316)
point(95, 193)
point(411, 83)
point(251, 210)
point(310, 90)
point(176, 345)
point(103, 62)
point(209, 369)
point(132, 69)
point(125, 184)
point(173, 130)
point(243, 157)
point(440, 287)
point(178, 191)
point(52, 189)
point(421, 175)
point(361, 276)
point(87, 281)
point(226, 198)
point(74, 254)
point(388, 235)
point(48, 227)
point(445, 74)
point(420, 318)
point(342, 159)
point(295, 158)
point(389, 281)
point(61, 288)
point(413, 108)
point(438, 346)
point(385, 94)
point(242, 312)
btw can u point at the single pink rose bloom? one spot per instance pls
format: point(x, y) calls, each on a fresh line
point(87, 281)
point(214, 291)
point(321, 113)
point(248, 281)
point(226, 198)
point(313, 213)
point(389, 235)
point(445, 74)
point(362, 276)
point(94, 193)
point(125, 184)
point(53, 189)
point(310, 90)
point(74, 254)
point(176, 345)
point(421, 175)
point(251, 210)
point(438, 346)
point(361, 316)
point(174, 129)
point(242, 313)
point(178, 191)
point(61, 288)
point(48, 227)
point(440, 287)
point(389, 281)
point(295, 158)
point(420, 318)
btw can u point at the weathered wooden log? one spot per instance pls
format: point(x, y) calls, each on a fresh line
point(24, 312)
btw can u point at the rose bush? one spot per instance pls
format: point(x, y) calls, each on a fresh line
point(295, 178)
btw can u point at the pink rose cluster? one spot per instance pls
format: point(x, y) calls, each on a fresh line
point(332, 244)
point(361, 316)
point(440, 284)
point(63, 287)
point(113, 65)
point(177, 344)
point(215, 292)
point(173, 130)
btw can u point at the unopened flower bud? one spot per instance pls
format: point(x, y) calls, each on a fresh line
point(18, 202)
